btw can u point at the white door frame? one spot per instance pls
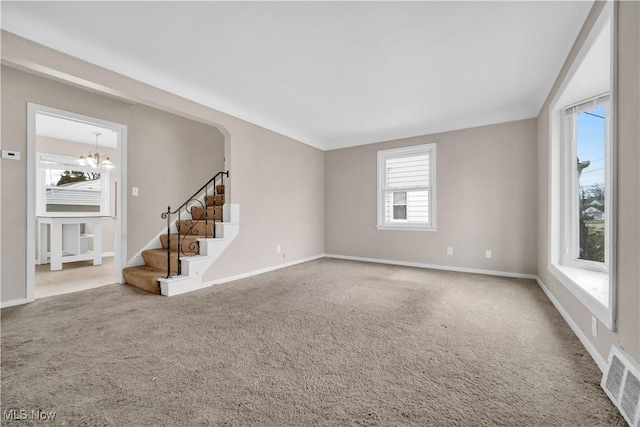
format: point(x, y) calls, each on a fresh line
point(120, 244)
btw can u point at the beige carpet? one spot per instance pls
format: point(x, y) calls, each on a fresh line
point(328, 342)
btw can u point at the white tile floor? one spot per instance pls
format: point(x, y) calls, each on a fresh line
point(74, 276)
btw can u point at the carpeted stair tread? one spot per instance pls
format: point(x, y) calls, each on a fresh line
point(158, 258)
point(218, 199)
point(144, 277)
point(189, 243)
point(198, 212)
point(196, 228)
point(174, 254)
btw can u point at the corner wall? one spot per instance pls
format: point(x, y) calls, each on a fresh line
point(277, 181)
point(169, 158)
point(486, 199)
point(628, 182)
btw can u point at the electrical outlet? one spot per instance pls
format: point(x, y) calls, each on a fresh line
point(594, 326)
point(449, 250)
point(487, 253)
point(278, 249)
point(134, 191)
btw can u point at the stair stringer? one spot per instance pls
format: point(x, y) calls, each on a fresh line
point(210, 249)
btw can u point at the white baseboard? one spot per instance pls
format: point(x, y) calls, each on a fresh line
point(264, 270)
point(600, 361)
point(14, 302)
point(196, 286)
point(436, 267)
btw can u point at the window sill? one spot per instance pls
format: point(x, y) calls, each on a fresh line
point(590, 287)
point(406, 227)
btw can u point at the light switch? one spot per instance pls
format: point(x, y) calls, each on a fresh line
point(134, 191)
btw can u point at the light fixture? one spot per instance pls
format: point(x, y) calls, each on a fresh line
point(93, 158)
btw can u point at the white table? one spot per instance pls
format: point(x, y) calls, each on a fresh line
point(67, 243)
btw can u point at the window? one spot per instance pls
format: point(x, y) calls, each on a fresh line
point(64, 188)
point(587, 193)
point(582, 206)
point(399, 205)
point(406, 188)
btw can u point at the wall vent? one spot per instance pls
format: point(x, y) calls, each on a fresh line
point(621, 383)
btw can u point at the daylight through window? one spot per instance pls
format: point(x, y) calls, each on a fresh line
point(66, 188)
point(587, 139)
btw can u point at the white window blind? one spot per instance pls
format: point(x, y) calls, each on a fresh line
point(407, 178)
point(86, 193)
point(405, 186)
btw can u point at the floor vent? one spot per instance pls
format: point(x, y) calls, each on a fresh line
point(622, 385)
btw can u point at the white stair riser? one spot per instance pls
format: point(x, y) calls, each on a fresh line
point(210, 249)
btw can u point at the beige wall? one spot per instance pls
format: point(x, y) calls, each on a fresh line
point(75, 149)
point(278, 182)
point(486, 199)
point(628, 235)
point(279, 185)
point(169, 158)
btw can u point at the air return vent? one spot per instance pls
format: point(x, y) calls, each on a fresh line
point(622, 385)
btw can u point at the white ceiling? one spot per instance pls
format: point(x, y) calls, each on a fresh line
point(330, 74)
point(593, 74)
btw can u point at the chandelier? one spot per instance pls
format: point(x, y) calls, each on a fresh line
point(93, 159)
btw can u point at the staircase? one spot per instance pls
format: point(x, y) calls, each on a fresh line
point(186, 240)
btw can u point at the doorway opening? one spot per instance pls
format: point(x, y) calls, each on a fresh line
point(76, 167)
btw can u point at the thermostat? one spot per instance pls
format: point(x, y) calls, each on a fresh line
point(11, 155)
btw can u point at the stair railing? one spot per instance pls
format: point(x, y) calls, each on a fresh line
point(194, 200)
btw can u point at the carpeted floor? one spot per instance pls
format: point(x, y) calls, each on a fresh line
point(329, 342)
